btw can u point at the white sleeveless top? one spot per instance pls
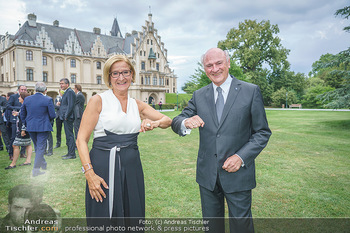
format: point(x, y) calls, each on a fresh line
point(113, 119)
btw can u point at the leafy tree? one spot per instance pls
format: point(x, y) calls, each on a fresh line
point(340, 97)
point(279, 97)
point(259, 52)
point(289, 80)
point(344, 12)
point(311, 98)
point(255, 45)
point(319, 69)
point(197, 80)
point(259, 78)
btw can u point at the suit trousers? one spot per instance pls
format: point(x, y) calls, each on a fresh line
point(59, 123)
point(39, 140)
point(49, 143)
point(70, 141)
point(239, 208)
point(5, 136)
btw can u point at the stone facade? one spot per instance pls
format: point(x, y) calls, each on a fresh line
point(42, 52)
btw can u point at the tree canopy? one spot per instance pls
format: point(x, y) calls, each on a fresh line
point(339, 66)
point(255, 45)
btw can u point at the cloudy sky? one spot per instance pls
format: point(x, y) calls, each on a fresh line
point(188, 28)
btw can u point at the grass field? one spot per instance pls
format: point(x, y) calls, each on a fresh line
point(303, 172)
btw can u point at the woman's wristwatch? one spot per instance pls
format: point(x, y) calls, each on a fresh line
point(88, 167)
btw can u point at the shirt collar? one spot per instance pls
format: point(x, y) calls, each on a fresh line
point(225, 86)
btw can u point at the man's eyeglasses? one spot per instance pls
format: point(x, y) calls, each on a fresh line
point(125, 73)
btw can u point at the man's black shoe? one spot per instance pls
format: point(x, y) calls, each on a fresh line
point(70, 157)
point(64, 155)
point(48, 154)
point(38, 173)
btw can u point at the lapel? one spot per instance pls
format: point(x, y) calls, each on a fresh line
point(232, 95)
point(65, 95)
point(211, 104)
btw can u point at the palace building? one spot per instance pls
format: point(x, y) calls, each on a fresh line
point(44, 52)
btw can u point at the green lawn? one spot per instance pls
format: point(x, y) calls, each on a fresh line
point(303, 172)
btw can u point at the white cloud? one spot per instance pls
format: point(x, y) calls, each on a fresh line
point(77, 4)
point(12, 13)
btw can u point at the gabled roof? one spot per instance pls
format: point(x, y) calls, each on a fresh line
point(60, 35)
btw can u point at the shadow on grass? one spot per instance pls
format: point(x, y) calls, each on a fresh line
point(337, 124)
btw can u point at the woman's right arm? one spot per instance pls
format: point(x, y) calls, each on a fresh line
point(87, 125)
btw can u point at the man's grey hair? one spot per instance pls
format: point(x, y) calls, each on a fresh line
point(227, 54)
point(65, 80)
point(40, 87)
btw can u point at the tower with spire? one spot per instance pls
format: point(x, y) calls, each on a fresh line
point(115, 29)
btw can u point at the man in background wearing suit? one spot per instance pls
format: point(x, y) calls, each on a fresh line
point(79, 108)
point(36, 112)
point(67, 116)
point(49, 142)
point(3, 130)
point(13, 104)
point(59, 122)
point(233, 131)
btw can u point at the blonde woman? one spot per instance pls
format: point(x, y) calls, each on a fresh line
point(113, 170)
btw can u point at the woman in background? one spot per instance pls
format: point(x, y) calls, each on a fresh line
point(22, 138)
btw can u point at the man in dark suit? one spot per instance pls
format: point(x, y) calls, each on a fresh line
point(233, 130)
point(79, 108)
point(13, 104)
point(36, 112)
point(67, 116)
point(3, 130)
point(59, 122)
point(49, 142)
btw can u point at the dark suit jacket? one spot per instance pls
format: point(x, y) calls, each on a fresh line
point(67, 105)
point(3, 103)
point(36, 112)
point(12, 104)
point(243, 130)
point(79, 105)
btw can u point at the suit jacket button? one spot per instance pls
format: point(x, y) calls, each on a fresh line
point(218, 135)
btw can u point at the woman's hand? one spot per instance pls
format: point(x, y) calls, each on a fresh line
point(23, 133)
point(148, 125)
point(94, 183)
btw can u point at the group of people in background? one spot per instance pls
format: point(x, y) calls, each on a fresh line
point(29, 118)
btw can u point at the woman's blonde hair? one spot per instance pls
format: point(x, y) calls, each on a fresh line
point(108, 65)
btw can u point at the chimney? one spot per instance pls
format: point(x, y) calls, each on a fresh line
point(32, 20)
point(97, 31)
point(56, 23)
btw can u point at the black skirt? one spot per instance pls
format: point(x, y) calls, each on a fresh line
point(129, 191)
